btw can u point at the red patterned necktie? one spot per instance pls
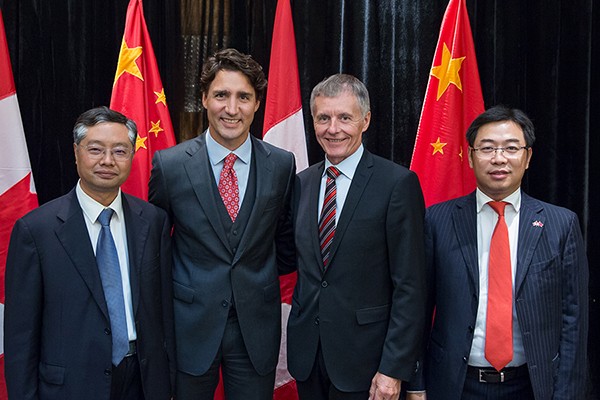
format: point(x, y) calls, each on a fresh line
point(327, 221)
point(228, 187)
point(498, 336)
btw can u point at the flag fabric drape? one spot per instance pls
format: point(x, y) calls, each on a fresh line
point(284, 127)
point(452, 101)
point(138, 93)
point(17, 189)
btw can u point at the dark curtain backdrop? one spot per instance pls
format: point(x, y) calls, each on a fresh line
point(539, 56)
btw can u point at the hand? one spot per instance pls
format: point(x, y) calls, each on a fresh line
point(384, 387)
point(416, 396)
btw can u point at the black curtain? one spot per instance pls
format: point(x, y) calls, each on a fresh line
point(539, 56)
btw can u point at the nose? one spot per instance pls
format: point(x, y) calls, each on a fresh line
point(333, 126)
point(498, 157)
point(107, 157)
point(231, 105)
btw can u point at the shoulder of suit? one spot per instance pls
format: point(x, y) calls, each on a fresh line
point(539, 205)
point(146, 207)
point(272, 149)
point(189, 146)
point(448, 206)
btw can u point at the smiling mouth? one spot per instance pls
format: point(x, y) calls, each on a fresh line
point(336, 140)
point(230, 121)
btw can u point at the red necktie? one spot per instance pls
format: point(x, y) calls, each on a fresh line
point(498, 336)
point(228, 187)
point(327, 222)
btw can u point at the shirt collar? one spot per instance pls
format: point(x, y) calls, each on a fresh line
point(217, 152)
point(348, 165)
point(92, 209)
point(513, 199)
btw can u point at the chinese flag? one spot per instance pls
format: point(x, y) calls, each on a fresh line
point(17, 190)
point(138, 93)
point(284, 127)
point(452, 101)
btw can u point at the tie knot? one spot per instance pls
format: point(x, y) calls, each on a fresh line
point(229, 161)
point(105, 216)
point(333, 172)
point(498, 206)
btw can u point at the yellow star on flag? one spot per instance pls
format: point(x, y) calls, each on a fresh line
point(460, 154)
point(447, 72)
point(155, 128)
point(160, 97)
point(140, 142)
point(438, 147)
point(127, 58)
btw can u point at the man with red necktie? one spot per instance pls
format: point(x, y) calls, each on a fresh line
point(508, 279)
point(356, 321)
point(228, 195)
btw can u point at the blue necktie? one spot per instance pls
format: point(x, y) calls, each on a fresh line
point(110, 273)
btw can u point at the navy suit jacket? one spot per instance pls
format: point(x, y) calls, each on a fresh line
point(367, 310)
point(207, 272)
point(57, 331)
point(551, 295)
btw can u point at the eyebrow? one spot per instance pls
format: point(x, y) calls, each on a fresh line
point(511, 140)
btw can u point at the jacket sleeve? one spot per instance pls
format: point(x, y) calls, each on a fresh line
point(22, 314)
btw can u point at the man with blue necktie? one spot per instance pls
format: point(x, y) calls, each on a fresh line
point(89, 312)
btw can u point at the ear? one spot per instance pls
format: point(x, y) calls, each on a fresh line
point(257, 105)
point(529, 155)
point(75, 152)
point(470, 156)
point(367, 121)
point(204, 99)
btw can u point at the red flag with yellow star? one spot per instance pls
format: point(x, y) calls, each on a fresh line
point(452, 101)
point(138, 93)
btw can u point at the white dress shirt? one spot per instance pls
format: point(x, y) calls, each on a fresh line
point(486, 222)
point(91, 210)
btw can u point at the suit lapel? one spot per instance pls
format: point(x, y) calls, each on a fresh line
point(201, 178)
point(464, 219)
point(363, 173)
point(74, 236)
point(264, 183)
point(137, 234)
point(531, 226)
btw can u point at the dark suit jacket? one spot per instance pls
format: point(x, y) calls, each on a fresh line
point(550, 294)
point(57, 331)
point(207, 271)
point(367, 310)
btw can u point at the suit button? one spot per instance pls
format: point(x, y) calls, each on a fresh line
point(225, 303)
point(106, 331)
point(234, 249)
point(107, 372)
point(316, 320)
point(471, 329)
point(234, 232)
point(324, 284)
point(465, 360)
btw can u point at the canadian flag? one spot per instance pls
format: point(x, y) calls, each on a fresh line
point(17, 190)
point(284, 127)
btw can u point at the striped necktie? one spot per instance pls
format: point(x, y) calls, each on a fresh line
point(327, 221)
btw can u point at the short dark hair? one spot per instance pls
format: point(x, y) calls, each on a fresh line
point(233, 60)
point(501, 113)
point(98, 115)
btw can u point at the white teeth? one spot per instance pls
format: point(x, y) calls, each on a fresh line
point(336, 140)
point(231, 121)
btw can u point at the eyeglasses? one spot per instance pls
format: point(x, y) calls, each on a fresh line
point(96, 152)
point(490, 152)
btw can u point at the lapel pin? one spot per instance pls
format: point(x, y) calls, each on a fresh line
point(539, 224)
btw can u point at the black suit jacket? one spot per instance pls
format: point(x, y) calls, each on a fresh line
point(207, 271)
point(551, 297)
point(367, 310)
point(57, 330)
